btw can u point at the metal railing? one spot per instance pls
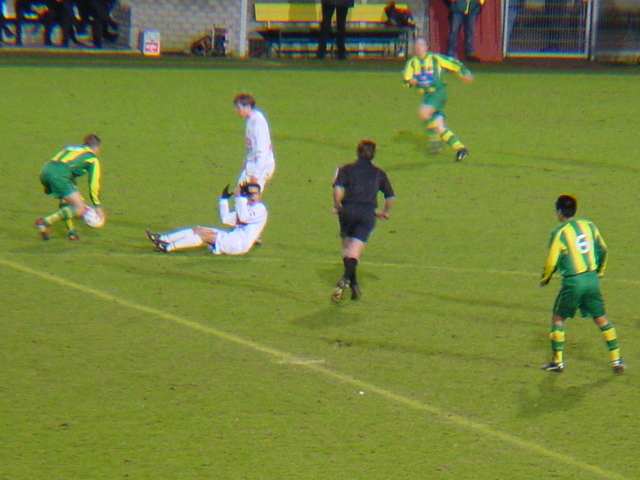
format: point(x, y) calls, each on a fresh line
point(596, 29)
point(547, 28)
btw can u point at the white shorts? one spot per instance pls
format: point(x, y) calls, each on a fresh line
point(262, 174)
point(229, 243)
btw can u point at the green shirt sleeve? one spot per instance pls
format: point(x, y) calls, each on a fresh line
point(93, 171)
point(453, 65)
point(555, 249)
point(600, 250)
point(409, 70)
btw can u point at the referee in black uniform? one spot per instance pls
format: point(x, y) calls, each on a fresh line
point(355, 191)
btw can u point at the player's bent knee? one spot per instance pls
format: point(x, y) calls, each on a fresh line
point(203, 233)
point(601, 321)
point(426, 113)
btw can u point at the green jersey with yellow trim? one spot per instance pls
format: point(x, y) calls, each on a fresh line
point(575, 247)
point(80, 159)
point(428, 71)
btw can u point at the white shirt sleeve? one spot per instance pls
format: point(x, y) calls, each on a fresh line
point(259, 143)
point(226, 216)
point(249, 214)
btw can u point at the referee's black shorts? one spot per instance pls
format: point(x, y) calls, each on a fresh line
point(357, 222)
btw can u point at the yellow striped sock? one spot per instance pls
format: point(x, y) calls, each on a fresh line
point(450, 138)
point(610, 336)
point(557, 343)
point(68, 222)
point(63, 213)
point(614, 355)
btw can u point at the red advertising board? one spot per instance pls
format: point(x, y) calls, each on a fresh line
point(488, 31)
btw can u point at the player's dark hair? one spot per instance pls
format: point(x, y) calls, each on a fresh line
point(566, 205)
point(245, 100)
point(250, 188)
point(92, 140)
point(366, 150)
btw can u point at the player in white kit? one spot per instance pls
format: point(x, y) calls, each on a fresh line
point(248, 219)
point(259, 162)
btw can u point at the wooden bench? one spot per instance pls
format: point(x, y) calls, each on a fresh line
point(294, 28)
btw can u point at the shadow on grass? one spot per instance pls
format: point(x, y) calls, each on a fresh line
point(404, 348)
point(490, 303)
point(553, 395)
point(565, 161)
point(215, 274)
point(330, 275)
point(410, 137)
point(331, 316)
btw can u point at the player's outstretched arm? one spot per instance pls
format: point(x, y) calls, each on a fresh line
point(467, 78)
point(455, 66)
point(226, 215)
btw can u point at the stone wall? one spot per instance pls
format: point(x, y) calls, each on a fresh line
point(180, 22)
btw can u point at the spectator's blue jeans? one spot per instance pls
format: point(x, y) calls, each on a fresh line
point(459, 19)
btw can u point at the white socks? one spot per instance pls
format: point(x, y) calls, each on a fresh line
point(182, 239)
point(174, 235)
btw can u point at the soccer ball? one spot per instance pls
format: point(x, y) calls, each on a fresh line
point(93, 218)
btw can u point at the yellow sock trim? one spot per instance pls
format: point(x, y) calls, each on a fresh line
point(53, 218)
point(609, 334)
point(614, 355)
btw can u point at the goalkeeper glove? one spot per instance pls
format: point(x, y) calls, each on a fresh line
point(226, 194)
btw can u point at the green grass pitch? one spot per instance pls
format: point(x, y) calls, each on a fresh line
point(118, 362)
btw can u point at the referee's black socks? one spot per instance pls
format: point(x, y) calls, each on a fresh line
point(350, 265)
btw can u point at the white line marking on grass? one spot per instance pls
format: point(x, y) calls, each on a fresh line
point(300, 361)
point(285, 357)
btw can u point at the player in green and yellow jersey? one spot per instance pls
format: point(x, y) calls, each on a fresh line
point(425, 71)
point(58, 177)
point(578, 251)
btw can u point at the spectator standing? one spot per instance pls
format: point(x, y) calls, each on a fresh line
point(341, 8)
point(463, 14)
